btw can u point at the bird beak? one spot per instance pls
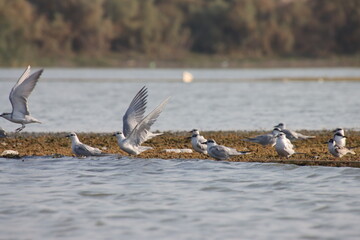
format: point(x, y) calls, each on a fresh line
point(188, 137)
point(114, 135)
point(204, 143)
point(67, 136)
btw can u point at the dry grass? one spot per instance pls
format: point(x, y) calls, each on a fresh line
point(315, 150)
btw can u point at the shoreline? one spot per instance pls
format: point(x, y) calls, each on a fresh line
point(55, 144)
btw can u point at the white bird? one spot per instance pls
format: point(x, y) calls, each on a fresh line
point(196, 131)
point(220, 152)
point(198, 142)
point(339, 137)
point(283, 146)
point(338, 151)
point(292, 135)
point(137, 130)
point(19, 99)
point(80, 149)
point(266, 139)
point(135, 113)
point(2, 133)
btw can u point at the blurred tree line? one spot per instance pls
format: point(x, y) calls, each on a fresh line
point(165, 29)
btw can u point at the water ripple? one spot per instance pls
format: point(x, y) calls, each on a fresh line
point(190, 199)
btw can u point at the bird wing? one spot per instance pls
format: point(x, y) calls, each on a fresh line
point(135, 112)
point(86, 150)
point(21, 91)
point(344, 150)
point(201, 146)
point(202, 139)
point(219, 152)
point(288, 144)
point(139, 134)
point(290, 134)
point(262, 139)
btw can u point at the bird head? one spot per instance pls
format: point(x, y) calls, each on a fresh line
point(195, 131)
point(210, 142)
point(119, 135)
point(280, 125)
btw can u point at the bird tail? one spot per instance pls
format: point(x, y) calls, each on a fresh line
point(144, 148)
point(352, 151)
point(151, 135)
point(305, 137)
point(354, 147)
point(244, 152)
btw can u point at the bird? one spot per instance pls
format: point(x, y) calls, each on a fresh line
point(338, 151)
point(339, 137)
point(196, 131)
point(292, 135)
point(136, 128)
point(266, 139)
point(19, 99)
point(135, 113)
point(197, 142)
point(284, 146)
point(2, 133)
point(220, 152)
point(80, 149)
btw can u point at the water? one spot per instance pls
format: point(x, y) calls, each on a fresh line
point(129, 198)
point(132, 198)
point(84, 100)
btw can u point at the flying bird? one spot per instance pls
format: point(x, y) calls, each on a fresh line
point(136, 129)
point(19, 99)
point(220, 152)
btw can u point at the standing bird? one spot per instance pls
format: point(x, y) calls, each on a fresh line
point(19, 99)
point(80, 149)
point(197, 141)
point(292, 135)
point(2, 133)
point(266, 139)
point(220, 152)
point(136, 128)
point(339, 137)
point(283, 146)
point(338, 151)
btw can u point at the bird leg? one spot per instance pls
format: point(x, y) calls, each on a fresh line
point(20, 128)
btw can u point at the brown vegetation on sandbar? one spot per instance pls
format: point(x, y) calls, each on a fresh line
point(315, 150)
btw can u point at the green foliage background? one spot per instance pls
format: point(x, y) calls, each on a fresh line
point(54, 32)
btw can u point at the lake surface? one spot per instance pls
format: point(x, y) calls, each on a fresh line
point(129, 198)
point(133, 198)
point(84, 100)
